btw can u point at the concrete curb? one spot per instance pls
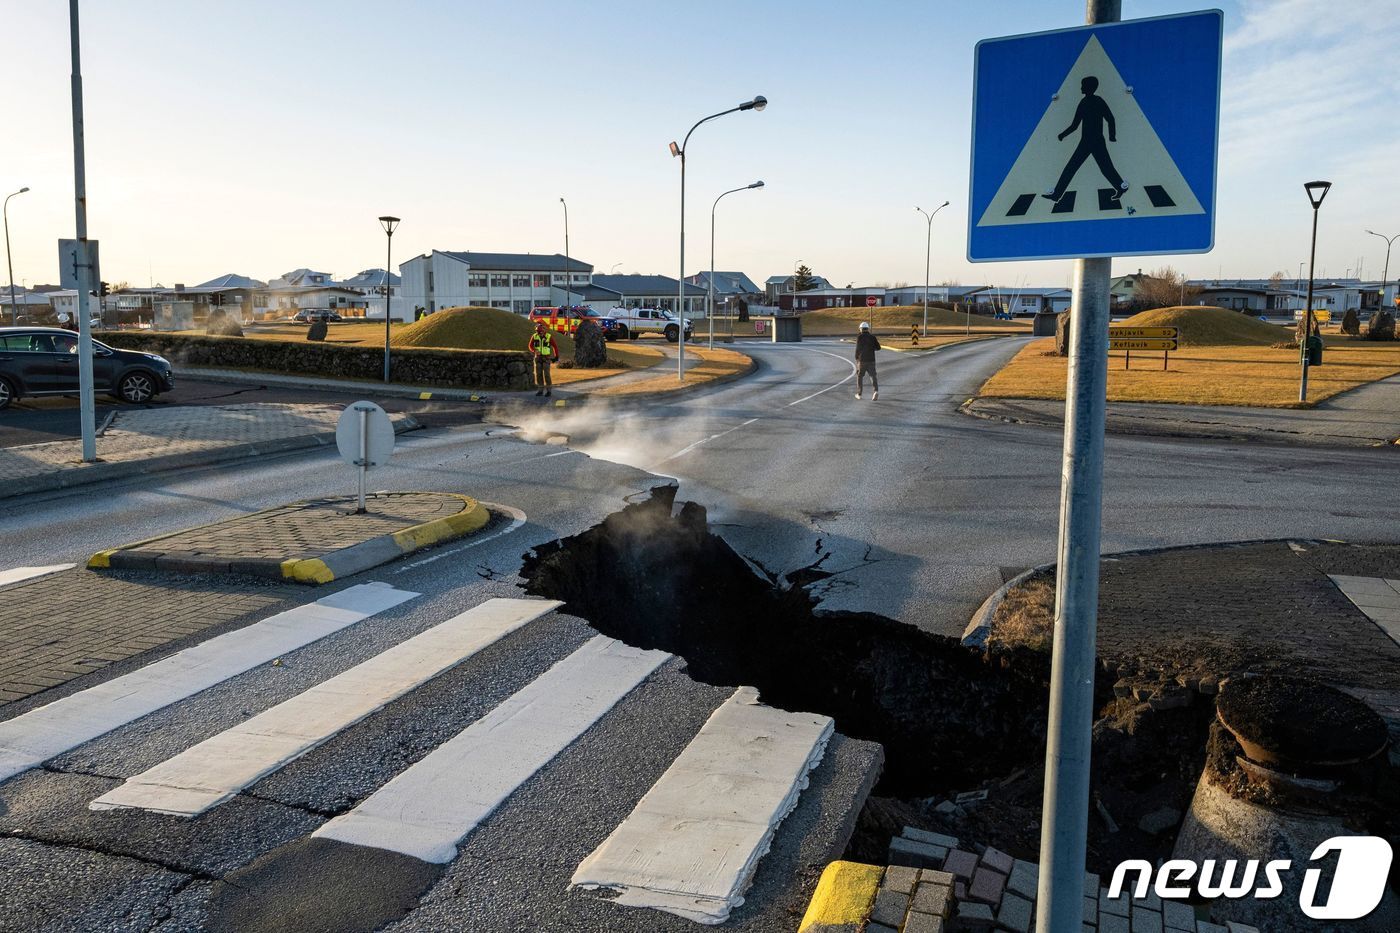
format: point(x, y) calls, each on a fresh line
point(1121, 425)
point(106, 472)
point(843, 898)
point(336, 565)
point(978, 338)
point(980, 626)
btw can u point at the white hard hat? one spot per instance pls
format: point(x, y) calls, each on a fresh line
point(864, 325)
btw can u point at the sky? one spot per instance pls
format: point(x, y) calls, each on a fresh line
point(258, 137)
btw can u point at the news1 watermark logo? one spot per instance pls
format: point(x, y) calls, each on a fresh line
point(1358, 882)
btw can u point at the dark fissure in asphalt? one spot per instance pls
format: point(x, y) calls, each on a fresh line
point(951, 718)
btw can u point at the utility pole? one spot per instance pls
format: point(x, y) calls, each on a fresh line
point(87, 415)
point(928, 252)
point(1069, 739)
point(568, 281)
point(1385, 275)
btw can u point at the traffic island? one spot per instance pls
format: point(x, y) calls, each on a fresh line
point(313, 541)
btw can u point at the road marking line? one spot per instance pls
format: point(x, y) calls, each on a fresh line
point(830, 387)
point(691, 845)
point(20, 574)
point(30, 739)
point(517, 518)
point(426, 810)
point(216, 769)
point(705, 440)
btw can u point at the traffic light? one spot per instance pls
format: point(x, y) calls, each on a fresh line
point(103, 289)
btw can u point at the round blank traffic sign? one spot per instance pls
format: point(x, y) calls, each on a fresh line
point(379, 433)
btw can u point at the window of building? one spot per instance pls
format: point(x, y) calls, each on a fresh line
point(521, 306)
point(520, 281)
point(541, 281)
point(559, 279)
point(500, 280)
point(476, 279)
point(542, 303)
point(500, 304)
point(580, 278)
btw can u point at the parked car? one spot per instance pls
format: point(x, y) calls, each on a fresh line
point(311, 315)
point(37, 361)
point(632, 323)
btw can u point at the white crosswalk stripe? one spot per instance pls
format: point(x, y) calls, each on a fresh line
point(20, 574)
point(215, 770)
point(692, 844)
point(427, 809)
point(30, 739)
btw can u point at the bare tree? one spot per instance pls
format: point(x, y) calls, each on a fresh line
point(1164, 288)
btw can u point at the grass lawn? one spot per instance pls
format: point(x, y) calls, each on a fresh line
point(1206, 375)
point(713, 364)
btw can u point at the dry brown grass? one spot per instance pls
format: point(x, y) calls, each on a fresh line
point(1026, 616)
point(713, 364)
point(1260, 376)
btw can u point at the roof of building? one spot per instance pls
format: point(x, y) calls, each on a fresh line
point(589, 292)
point(519, 262)
point(232, 280)
point(297, 278)
point(726, 283)
point(370, 278)
point(819, 281)
point(645, 285)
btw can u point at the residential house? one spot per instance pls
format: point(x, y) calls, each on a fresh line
point(914, 294)
point(819, 299)
point(776, 285)
point(308, 290)
point(644, 291)
point(370, 284)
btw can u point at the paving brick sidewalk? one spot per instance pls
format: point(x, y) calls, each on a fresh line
point(262, 544)
point(65, 625)
point(137, 441)
point(1199, 614)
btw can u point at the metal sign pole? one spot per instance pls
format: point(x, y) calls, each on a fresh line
point(87, 414)
point(364, 455)
point(1069, 739)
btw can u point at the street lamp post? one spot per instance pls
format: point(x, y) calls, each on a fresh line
point(710, 295)
point(14, 308)
point(388, 223)
point(568, 281)
point(1385, 275)
point(1317, 190)
point(758, 103)
point(928, 251)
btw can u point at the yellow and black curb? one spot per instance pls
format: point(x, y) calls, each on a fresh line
point(325, 568)
point(843, 898)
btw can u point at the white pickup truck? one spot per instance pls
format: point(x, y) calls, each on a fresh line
point(634, 322)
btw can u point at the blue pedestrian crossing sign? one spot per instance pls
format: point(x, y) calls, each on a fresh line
point(1096, 141)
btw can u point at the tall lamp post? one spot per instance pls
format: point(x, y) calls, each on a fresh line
point(710, 296)
point(388, 223)
point(568, 281)
point(758, 103)
point(1385, 275)
point(14, 308)
point(928, 251)
point(1317, 190)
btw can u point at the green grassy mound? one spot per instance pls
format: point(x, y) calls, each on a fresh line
point(1210, 327)
point(473, 329)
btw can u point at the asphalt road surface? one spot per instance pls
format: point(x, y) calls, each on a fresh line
point(913, 511)
point(40, 420)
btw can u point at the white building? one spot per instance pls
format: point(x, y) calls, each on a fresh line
point(509, 281)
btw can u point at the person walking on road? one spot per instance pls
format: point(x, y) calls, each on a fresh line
point(866, 345)
point(546, 352)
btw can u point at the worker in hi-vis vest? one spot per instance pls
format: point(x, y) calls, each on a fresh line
point(546, 352)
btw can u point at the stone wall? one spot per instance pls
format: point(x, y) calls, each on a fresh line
point(491, 369)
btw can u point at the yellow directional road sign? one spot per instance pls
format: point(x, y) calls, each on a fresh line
point(1118, 343)
point(1116, 333)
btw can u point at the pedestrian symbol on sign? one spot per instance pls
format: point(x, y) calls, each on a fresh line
point(1133, 174)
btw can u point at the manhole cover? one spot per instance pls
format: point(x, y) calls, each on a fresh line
point(1295, 723)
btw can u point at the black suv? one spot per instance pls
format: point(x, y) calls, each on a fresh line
point(44, 361)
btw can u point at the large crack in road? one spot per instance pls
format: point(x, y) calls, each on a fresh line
point(951, 718)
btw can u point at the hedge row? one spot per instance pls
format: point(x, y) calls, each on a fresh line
point(491, 369)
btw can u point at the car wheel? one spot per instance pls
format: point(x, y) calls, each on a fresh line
point(137, 387)
point(620, 333)
point(672, 333)
point(7, 393)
